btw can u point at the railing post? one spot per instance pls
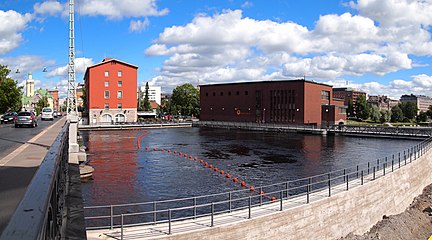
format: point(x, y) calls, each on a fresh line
point(399, 159)
point(344, 173)
point(405, 158)
point(392, 165)
point(329, 184)
point(280, 200)
point(368, 167)
point(195, 210)
point(357, 171)
point(169, 221)
point(250, 206)
point(361, 177)
point(111, 216)
point(384, 168)
point(347, 181)
point(307, 190)
point(377, 166)
point(229, 201)
point(154, 212)
point(212, 214)
point(121, 229)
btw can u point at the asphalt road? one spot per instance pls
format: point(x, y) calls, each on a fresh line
point(11, 137)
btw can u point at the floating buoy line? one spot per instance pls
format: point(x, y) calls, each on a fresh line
point(211, 167)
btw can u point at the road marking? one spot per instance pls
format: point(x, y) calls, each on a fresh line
point(17, 151)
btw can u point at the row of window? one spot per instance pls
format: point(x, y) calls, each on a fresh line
point(119, 83)
point(106, 105)
point(119, 94)
point(119, 73)
point(229, 93)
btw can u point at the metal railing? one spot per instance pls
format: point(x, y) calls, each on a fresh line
point(168, 211)
point(424, 132)
point(275, 126)
point(40, 213)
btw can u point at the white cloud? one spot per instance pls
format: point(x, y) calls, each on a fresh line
point(247, 4)
point(50, 8)
point(81, 65)
point(115, 9)
point(12, 23)
point(138, 25)
point(25, 64)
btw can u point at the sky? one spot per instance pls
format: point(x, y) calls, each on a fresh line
point(382, 47)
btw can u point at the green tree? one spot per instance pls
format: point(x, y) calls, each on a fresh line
point(362, 108)
point(422, 117)
point(43, 102)
point(10, 93)
point(385, 116)
point(146, 103)
point(185, 100)
point(375, 113)
point(350, 109)
point(409, 110)
point(397, 114)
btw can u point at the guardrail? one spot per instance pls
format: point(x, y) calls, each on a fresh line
point(258, 125)
point(40, 213)
point(168, 211)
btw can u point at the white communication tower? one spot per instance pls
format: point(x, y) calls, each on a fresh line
point(71, 105)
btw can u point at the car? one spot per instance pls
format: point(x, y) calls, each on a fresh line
point(9, 117)
point(47, 114)
point(26, 118)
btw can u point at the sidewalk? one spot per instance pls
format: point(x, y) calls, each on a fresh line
point(17, 170)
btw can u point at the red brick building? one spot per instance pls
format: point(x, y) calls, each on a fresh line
point(111, 88)
point(284, 102)
point(55, 95)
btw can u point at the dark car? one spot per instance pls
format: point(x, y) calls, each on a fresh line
point(26, 118)
point(9, 117)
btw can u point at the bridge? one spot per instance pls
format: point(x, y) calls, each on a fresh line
point(380, 131)
point(361, 195)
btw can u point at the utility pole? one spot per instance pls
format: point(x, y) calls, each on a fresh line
point(71, 105)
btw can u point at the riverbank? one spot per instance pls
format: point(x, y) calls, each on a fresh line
point(414, 223)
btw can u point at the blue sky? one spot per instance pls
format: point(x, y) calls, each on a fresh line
point(379, 46)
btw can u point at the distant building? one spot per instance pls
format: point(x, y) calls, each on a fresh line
point(31, 97)
point(111, 91)
point(347, 94)
point(382, 102)
point(422, 102)
point(55, 99)
point(154, 93)
point(298, 102)
point(79, 94)
point(30, 90)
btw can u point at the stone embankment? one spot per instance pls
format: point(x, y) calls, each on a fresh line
point(414, 223)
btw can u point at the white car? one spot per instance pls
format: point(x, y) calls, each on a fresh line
point(47, 114)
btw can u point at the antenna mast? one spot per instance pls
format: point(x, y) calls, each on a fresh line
point(71, 106)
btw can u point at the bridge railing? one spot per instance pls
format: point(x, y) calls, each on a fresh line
point(168, 211)
point(40, 212)
point(255, 124)
point(384, 130)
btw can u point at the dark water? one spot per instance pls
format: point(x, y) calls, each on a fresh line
point(125, 174)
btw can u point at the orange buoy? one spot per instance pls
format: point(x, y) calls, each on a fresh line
point(243, 183)
point(252, 189)
point(154, 149)
point(201, 161)
point(175, 152)
point(216, 169)
point(180, 153)
point(211, 166)
point(185, 155)
point(169, 151)
point(163, 150)
point(262, 193)
point(235, 179)
point(228, 175)
point(196, 158)
point(146, 148)
point(222, 172)
point(206, 164)
point(273, 198)
point(190, 157)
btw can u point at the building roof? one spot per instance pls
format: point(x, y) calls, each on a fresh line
point(154, 104)
point(268, 82)
point(107, 60)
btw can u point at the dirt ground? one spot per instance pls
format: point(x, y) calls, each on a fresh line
point(414, 223)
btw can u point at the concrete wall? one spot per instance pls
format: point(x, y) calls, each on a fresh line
point(356, 210)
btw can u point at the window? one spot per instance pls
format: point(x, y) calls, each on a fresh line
point(120, 118)
point(106, 74)
point(119, 105)
point(119, 73)
point(120, 83)
point(246, 92)
point(325, 95)
point(106, 118)
point(106, 94)
point(229, 93)
point(221, 93)
point(206, 94)
point(237, 93)
point(214, 94)
point(106, 83)
point(119, 94)
point(106, 106)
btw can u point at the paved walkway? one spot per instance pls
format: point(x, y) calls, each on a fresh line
point(17, 169)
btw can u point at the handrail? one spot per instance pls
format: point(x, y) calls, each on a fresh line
point(39, 214)
point(186, 208)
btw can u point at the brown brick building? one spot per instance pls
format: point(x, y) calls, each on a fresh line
point(284, 102)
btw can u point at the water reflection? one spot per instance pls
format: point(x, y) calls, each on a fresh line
point(125, 174)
